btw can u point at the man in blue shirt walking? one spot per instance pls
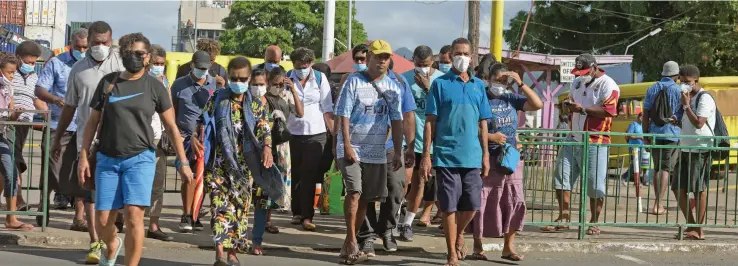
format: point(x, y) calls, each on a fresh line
point(457, 109)
point(664, 159)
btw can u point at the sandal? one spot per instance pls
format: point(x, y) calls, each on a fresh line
point(355, 258)
point(308, 226)
point(512, 257)
point(437, 220)
point(79, 226)
point(552, 228)
point(220, 262)
point(478, 256)
point(23, 207)
point(461, 251)
point(422, 223)
point(593, 231)
point(21, 227)
point(272, 229)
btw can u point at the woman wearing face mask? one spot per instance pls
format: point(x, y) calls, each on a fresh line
point(502, 212)
point(125, 165)
point(241, 147)
point(8, 66)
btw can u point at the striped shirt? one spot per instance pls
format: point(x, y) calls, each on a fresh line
point(24, 93)
point(603, 92)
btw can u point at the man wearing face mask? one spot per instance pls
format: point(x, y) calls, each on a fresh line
point(189, 96)
point(457, 110)
point(662, 120)
point(87, 73)
point(444, 60)
point(420, 79)
point(212, 47)
point(272, 57)
point(593, 103)
point(358, 54)
point(309, 134)
point(52, 88)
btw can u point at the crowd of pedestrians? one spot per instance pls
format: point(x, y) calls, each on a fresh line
point(440, 135)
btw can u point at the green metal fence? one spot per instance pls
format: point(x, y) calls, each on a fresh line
point(624, 203)
point(36, 172)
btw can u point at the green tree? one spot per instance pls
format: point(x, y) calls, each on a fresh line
point(253, 25)
point(694, 32)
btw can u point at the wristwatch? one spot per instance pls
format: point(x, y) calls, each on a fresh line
point(178, 164)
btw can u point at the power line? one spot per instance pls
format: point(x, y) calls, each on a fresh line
point(648, 17)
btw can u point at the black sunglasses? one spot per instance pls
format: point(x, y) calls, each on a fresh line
point(237, 79)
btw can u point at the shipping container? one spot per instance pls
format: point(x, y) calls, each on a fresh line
point(5, 46)
point(46, 13)
point(54, 36)
point(13, 12)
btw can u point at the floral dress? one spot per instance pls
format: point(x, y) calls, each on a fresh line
point(230, 200)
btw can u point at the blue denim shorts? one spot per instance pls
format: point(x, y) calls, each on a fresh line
point(6, 166)
point(569, 165)
point(124, 181)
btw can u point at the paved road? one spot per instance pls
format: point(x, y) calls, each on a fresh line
point(171, 257)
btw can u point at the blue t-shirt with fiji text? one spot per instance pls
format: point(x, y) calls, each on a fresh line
point(369, 111)
point(458, 107)
point(504, 119)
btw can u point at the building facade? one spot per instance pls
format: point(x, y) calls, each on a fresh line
point(203, 19)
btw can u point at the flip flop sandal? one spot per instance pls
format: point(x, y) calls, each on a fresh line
point(309, 226)
point(272, 229)
point(23, 208)
point(593, 231)
point(111, 262)
point(461, 251)
point(21, 227)
point(693, 237)
point(664, 211)
point(355, 258)
point(234, 262)
point(478, 256)
point(79, 226)
point(422, 223)
point(512, 257)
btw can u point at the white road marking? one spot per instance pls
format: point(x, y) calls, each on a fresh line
point(633, 259)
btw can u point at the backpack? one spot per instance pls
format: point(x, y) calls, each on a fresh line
point(318, 76)
point(661, 113)
point(720, 130)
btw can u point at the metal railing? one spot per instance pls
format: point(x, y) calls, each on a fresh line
point(545, 154)
point(31, 152)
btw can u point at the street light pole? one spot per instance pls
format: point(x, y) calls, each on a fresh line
point(652, 33)
point(635, 75)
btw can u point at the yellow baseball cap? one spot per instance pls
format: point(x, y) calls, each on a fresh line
point(380, 47)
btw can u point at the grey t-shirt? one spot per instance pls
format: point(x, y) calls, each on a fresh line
point(127, 129)
point(83, 79)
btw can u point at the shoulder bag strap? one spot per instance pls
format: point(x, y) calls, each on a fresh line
point(109, 90)
point(374, 84)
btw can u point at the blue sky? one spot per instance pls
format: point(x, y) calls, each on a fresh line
point(401, 23)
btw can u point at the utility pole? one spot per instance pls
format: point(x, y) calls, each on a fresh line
point(473, 32)
point(329, 21)
point(350, 19)
point(496, 32)
point(194, 40)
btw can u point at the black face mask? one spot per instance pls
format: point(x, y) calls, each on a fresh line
point(132, 61)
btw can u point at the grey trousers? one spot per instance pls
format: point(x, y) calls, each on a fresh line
point(374, 225)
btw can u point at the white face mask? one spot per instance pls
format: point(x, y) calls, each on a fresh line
point(99, 52)
point(583, 80)
point(497, 89)
point(686, 88)
point(258, 91)
point(461, 63)
point(5, 82)
point(423, 70)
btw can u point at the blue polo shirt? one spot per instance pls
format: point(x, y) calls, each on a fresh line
point(674, 94)
point(189, 99)
point(458, 107)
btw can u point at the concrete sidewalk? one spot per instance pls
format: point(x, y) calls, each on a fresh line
point(331, 229)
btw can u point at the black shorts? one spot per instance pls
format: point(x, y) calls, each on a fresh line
point(665, 159)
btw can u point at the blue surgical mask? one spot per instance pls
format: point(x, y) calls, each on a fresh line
point(238, 87)
point(78, 55)
point(26, 68)
point(156, 71)
point(360, 67)
point(445, 68)
point(199, 73)
point(270, 66)
point(302, 73)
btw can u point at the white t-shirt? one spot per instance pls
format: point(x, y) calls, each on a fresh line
point(706, 109)
point(603, 92)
